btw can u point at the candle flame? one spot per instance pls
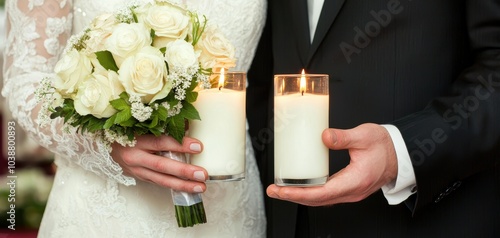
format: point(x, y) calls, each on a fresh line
point(221, 78)
point(303, 82)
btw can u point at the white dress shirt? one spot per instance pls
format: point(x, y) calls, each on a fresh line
point(405, 184)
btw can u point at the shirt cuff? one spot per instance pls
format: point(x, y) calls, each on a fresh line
point(405, 184)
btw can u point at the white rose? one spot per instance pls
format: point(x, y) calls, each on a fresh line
point(96, 92)
point(142, 11)
point(100, 29)
point(106, 22)
point(95, 62)
point(145, 75)
point(127, 39)
point(169, 23)
point(180, 53)
point(71, 69)
point(216, 50)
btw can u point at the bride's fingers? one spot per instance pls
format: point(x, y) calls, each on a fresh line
point(169, 181)
point(167, 143)
point(131, 157)
point(166, 165)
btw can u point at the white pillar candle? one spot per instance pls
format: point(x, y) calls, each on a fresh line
point(221, 129)
point(301, 115)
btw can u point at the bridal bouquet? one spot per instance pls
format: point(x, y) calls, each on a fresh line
point(134, 72)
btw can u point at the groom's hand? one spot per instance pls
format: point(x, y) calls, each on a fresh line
point(373, 164)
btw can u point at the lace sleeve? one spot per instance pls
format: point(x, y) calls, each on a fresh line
point(37, 31)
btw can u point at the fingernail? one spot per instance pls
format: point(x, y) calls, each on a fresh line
point(195, 147)
point(333, 137)
point(199, 175)
point(197, 189)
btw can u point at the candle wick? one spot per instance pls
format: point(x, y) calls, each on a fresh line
point(220, 87)
point(302, 92)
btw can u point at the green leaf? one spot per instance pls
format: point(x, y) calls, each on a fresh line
point(57, 113)
point(95, 124)
point(193, 85)
point(129, 123)
point(176, 128)
point(163, 50)
point(124, 96)
point(135, 17)
point(110, 122)
point(154, 122)
point(189, 112)
point(153, 35)
point(120, 104)
point(140, 131)
point(106, 60)
point(156, 132)
point(123, 116)
point(130, 134)
point(162, 113)
point(191, 96)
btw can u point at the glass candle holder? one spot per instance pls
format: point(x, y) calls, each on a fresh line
point(222, 128)
point(301, 107)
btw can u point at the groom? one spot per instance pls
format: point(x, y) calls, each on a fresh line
point(415, 86)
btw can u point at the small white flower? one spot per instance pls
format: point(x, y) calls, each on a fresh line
point(203, 80)
point(134, 98)
point(166, 105)
point(111, 137)
point(175, 110)
point(56, 100)
point(141, 112)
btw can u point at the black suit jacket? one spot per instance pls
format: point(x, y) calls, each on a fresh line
point(431, 68)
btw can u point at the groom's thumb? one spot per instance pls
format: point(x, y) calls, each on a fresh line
point(336, 139)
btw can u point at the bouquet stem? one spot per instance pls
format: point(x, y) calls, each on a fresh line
point(189, 209)
point(188, 216)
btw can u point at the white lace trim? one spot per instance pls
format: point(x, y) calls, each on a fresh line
point(26, 65)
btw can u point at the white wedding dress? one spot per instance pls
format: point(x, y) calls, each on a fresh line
point(91, 197)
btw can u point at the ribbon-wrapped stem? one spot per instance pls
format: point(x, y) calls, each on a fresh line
point(189, 209)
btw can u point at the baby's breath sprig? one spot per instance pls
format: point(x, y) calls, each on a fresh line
point(79, 41)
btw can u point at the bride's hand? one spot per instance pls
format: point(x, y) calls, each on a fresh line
point(142, 162)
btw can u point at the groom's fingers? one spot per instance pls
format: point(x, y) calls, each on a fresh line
point(342, 187)
point(305, 196)
point(337, 139)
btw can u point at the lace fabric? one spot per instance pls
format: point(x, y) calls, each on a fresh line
point(32, 49)
point(91, 197)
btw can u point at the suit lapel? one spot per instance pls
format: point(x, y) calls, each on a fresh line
point(300, 21)
point(331, 9)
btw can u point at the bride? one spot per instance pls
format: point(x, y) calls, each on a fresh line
point(127, 193)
